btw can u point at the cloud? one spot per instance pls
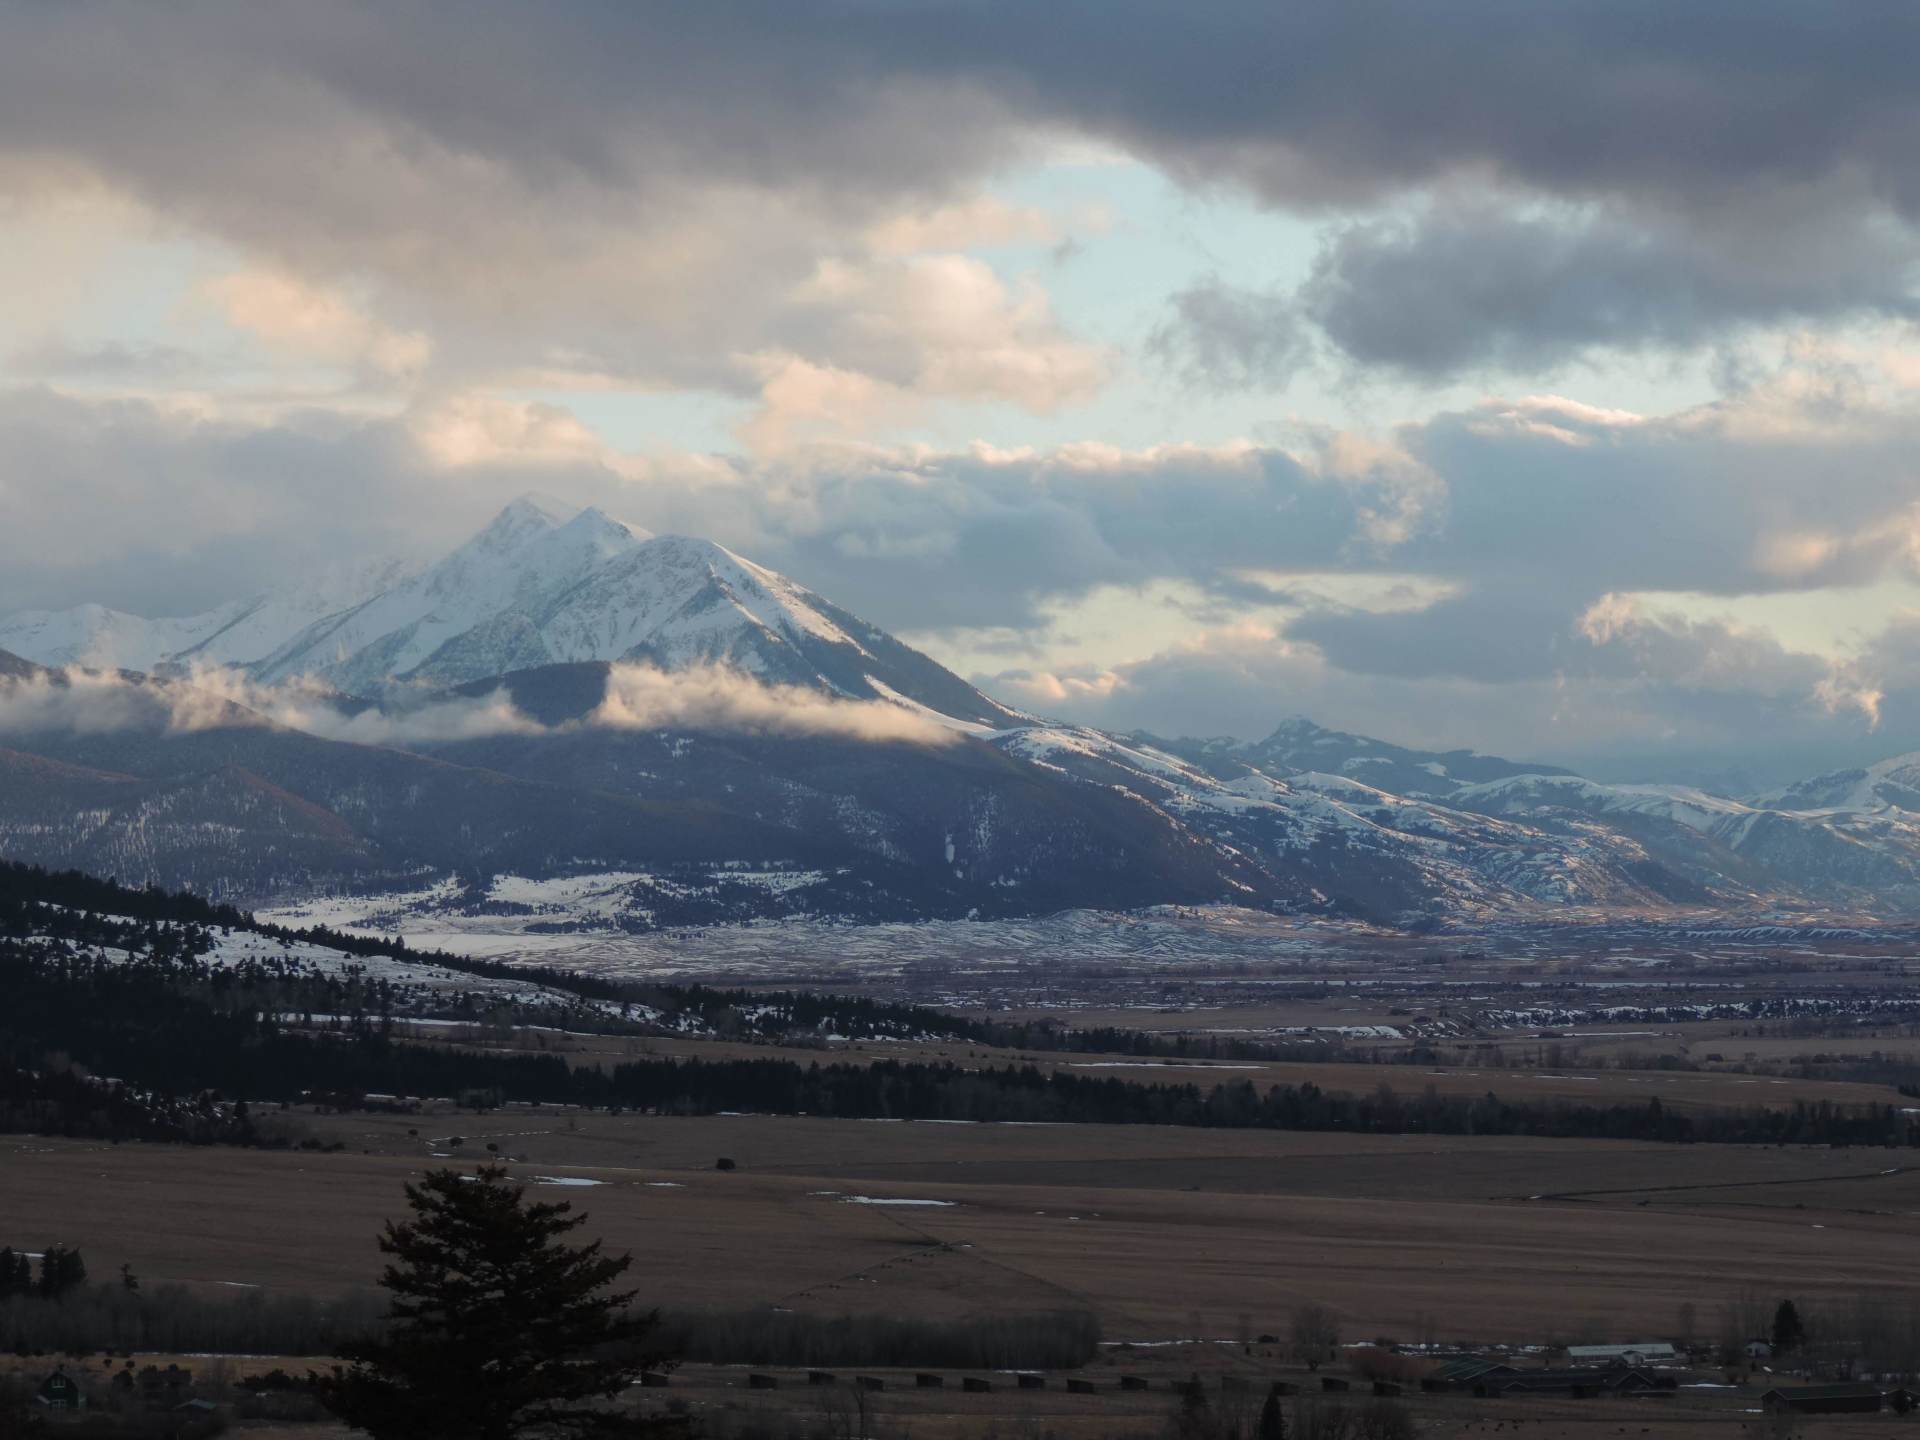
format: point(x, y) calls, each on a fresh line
point(906, 331)
point(1241, 680)
point(639, 697)
point(525, 209)
point(315, 324)
point(1227, 337)
point(1478, 286)
point(83, 701)
point(1805, 480)
point(1306, 106)
point(633, 195)
point(1506, 523)
point(1469, 286)
point(80, 702)
point(963, 225)
point(211, 697)
point(1048, 690)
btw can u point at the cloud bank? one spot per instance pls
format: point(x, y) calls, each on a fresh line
point(75, 700)
point(712, 196)
point(444, 225)
point(1508, 522)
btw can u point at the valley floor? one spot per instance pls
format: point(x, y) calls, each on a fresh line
point(1163, 1233)
point(1183, 1242)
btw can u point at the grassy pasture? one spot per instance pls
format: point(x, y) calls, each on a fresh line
point(1159, 1231)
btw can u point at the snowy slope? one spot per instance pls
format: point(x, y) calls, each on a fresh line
point(540, 587)
point(1890, 784)
point(238, 633)
point(1681, 804)
point(1334, 841)
point(480, 598)
point(1843, 835)
point(107, 639)
point(1298, 745)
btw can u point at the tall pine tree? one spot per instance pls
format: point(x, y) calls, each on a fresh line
point(1788, 1331)
point(498, 1326)
point(61, 1270)
point(1273, 1422)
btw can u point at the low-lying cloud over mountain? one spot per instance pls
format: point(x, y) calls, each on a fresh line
point(710, 698)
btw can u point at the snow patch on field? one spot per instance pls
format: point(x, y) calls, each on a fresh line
point(889, 1200)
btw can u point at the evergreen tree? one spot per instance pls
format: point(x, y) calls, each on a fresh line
point(1194, 1419)
point(498, 1326)
point(1788, 1332)
point(1273, 1423)
point(61, 1270)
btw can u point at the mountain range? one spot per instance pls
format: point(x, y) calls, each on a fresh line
point(475, 718)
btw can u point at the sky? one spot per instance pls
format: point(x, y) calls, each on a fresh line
point(1540, 377)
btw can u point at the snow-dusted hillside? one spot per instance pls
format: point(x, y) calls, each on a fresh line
point(1858, 847)
point(1298, 745)
point(1890, 784)
point(1338, 843)
point(238, 633)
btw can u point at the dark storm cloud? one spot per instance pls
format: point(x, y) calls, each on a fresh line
point(1673, 107)
point(1488, 635)
point(1479, 286)
point(1485, 288)
point(521, 181)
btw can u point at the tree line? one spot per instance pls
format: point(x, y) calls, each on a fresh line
point(195, 1047)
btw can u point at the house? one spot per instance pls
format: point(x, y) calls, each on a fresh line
point(1466, 1372)
point(60, 1391)
point(1648, 1352)
point(1825, 1399)
point(1758, 1350)
point(1579, 1384)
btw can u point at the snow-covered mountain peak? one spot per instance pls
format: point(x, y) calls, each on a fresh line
point(1301, 730)
point(529, 512)
point(1893, 783)
point(541, 583)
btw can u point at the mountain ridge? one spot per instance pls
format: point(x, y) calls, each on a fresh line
point(520, 633)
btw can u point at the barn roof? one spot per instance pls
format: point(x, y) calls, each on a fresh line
point(1463, 1368)
point(1853, 1391)
point(1657, 1349)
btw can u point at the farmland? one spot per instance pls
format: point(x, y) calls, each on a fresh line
point(1147, 1227)
point(1396, 1137)
point(1167, 1236)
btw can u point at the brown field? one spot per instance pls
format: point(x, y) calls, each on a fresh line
point(1157, 1230)
point(1167, 1234)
